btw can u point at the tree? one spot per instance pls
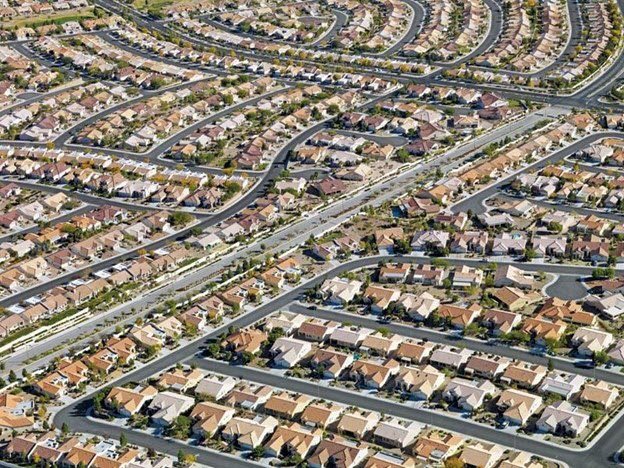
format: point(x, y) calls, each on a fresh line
point(551, 344)
point(65, 428)
point(257, 453)
point(454, 462)
point(551, 364)
point(529, 254)
point(516, 336)
point(12, 376)
point(181, 427)
point(123, 440)
point(247, 357)
point(595, 415)
point(600, 358)
point(180, 218)
point(402, 155)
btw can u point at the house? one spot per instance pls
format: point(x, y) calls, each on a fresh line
point(489, 367)
point(549, 246)
point(316, 330)
point(373, 374)
point(249, 396)
point(469, 242)
point(541, 330)
point(590, 250)
point(288, 323)
point(447, 356)
point(292, 440)
point(385, 239)
point(327, 187)
point(179, 379)
point(419, 383)
point(330, 363)
point(337, 453)
point(249, 433)
point(209, 417)
point(245, 341)
point(524, 375)
point(68, 376)
point(381, 344)
point(498, 220)
point(104, 360)
point(215, 386)
point(517, 406)
point(568, 311)
point(396, 433)
point(16, 411)
point(358, 423)
point(288, 352)
point(515, 299)
point(611, 305)
point(436, 446)
point(286, 405)
point(519, 460)
point(563, 384)
point(468, 395)
point(349, 337)
point(79, 456)
point(418, 307)
point(589, 341)
point(466, 277)
point(340, 291)
point(509, 275)
point(599, 393)
point(413, 352)
point(394, 273)
point(389, 460)
point(459, 317)
point(481, 454)
point(429, 240)
point(500, 321)
point(166, 406)
point(148, 336)
point(321, 414)
point(562, 418)
point(428, 275)
point(380, 298)
point(508, 244)
point(127, 402)
point(20, 446)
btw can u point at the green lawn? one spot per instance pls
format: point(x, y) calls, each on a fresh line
point(56, 18)
point(145, 5)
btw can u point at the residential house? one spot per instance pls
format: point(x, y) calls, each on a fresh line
point(562, 384)
point(563, 418)
point(468, 395)
point(517, 406)
point(165, 407)
point(419, 383)
point(288, 352)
